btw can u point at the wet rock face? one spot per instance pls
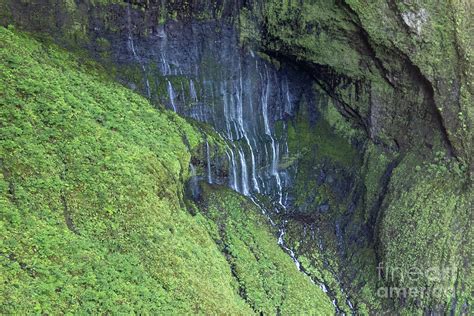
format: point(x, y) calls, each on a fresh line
point(197, 69)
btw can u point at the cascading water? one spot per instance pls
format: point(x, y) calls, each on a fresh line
point(131, 47)
point(233, 167)
point(244, 97)
point(274, 145)
point(245, 181)
point(241, 95)
point(281, 242)
point(208, 160)
point(192, 91)
point(172, 96)
point(291, 253)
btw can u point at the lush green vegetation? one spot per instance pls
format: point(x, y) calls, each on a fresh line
point(322, 145)
point(91, 186)
point(434, 206)
point(267, 277)
point(92, 212)
point(92, 183)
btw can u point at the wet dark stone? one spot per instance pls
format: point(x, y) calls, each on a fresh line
point(324, 208)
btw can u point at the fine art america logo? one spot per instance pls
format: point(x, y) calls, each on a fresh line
point(412, 281)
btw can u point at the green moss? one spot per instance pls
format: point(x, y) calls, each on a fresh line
point(332, 143)
point(298, 25)
point(428, 34)
point(426, 228)
point(267, 277)
point(332, 146)
point(370, 45)
point(340, 125)
point(248, 28)
point(92, 181)
point(103, 46)
point(375, 166)
point(316, 264)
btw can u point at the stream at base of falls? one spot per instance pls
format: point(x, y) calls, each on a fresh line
point(291, 253)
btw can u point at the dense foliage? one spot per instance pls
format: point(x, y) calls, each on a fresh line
point(92, 200)
point(92, 212)
point(266, 276)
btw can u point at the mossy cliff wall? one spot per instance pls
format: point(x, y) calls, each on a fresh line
point(402, 69)
point(86, 24)
point(380, 150)
point(401, 73)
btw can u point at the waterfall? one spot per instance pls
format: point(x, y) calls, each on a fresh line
point(242, 131)
point(172, 96)
point(208, 158)
point(241, 95)
point(286, 90)
point(239, 105)
point(254, 171)
point(281, 242)
point(233, 174)
point(131, 47)
point(264, 101)
point(183, 94)
point(268, 132)
point(291, 253)
point(226, 110)
point(243, 164)
point(192, 91)
point(165, 66)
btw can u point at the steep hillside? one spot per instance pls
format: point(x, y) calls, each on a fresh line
point(93, 218)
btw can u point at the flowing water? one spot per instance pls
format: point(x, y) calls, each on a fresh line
point(131, 47)
point(245, 98)
point(172, 96)
point(208, 160)
point(208, 77)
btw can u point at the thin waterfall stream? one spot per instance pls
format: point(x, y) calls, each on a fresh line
point(208, 160)
point(131, 46)
point(291, 253)
point(246, 100)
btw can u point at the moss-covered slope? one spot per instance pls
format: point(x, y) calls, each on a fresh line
point(92, 212)
point(91, 186)
point(266, 276)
